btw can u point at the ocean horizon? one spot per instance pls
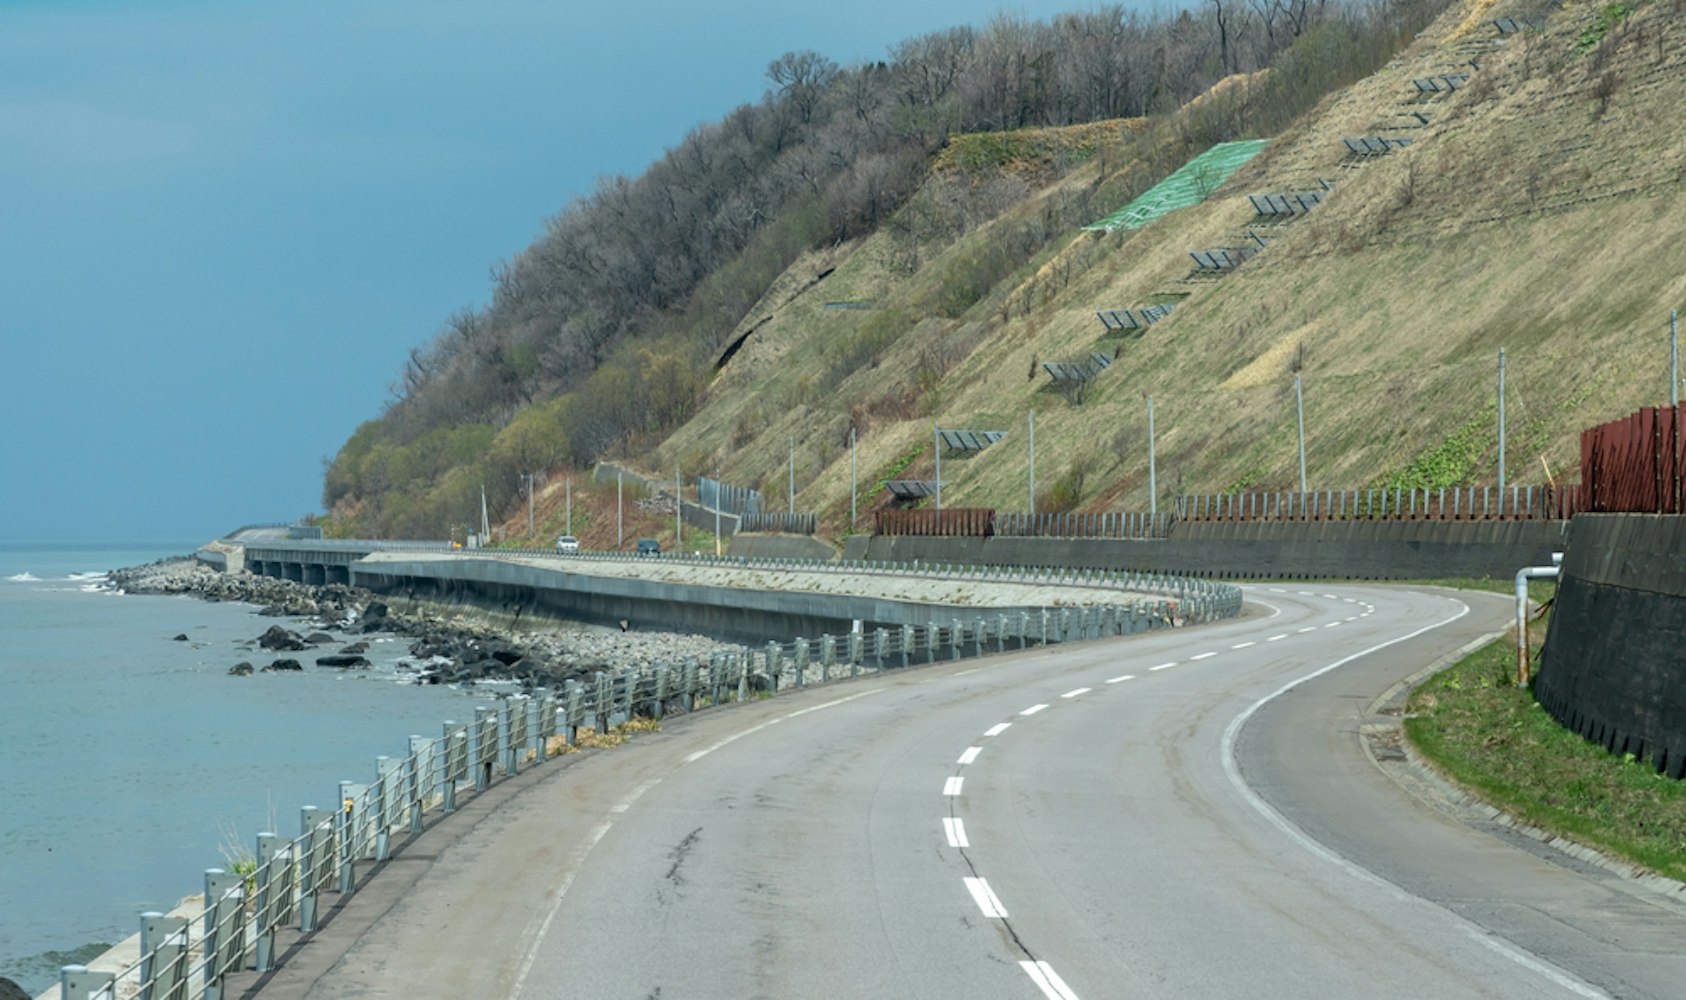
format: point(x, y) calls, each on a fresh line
point(137, 761)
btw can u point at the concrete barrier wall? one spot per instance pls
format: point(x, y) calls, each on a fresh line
point(504, 588)
point(1358, 550)
point(1614, 664)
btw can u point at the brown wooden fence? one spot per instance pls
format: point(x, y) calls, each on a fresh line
point(1637, 464)
point(1462, 503)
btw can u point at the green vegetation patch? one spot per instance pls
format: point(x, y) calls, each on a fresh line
point(1189, 184)
point(1452, 462)
point(1609, 16)
point(1032, 148)
point(1477, 727)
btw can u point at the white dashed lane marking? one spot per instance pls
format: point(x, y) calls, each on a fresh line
point(1074, 694)
point(952, 785)
point(970, 755)
point(1032, 710)
point(997, 729)
point(955, 829)
point(1122, 679)
point(984, 896)
point(1051, 985)
point(1202, 656)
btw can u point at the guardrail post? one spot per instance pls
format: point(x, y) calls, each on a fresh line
point(225, 903)
point(773, 667)
point(417, 768)
point(573, 714)
point(828, 656)
point(933, 638)
point(76, 982)
point(977, 636)
point(163, 966)
point(1000, 633)
point(1044, 626)
point(311, 852)
point(800, 655)
point(345, 824)
point(748, 662)
point(661, 690)
point(857, 644)
point(263, 921)
point(907, 644)
point(456, 764)
point(604, 703)
point(956, 635)
point(880, 646)
point(1064, 629)
point(690, 682)
point(506, 740)
point(382, 806)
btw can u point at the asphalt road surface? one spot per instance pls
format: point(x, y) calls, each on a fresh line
point(1181, 814)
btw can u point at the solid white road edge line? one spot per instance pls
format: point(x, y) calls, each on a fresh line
point(1233, 771)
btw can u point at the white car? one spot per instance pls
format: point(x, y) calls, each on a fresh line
point(567, 544)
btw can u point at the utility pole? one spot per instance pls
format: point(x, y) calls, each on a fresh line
point(1152, 472)
point(1673, 358)
point(1299, 411)
point(937, 435)
point(716, 510)
point(569, 486)
point(620, 536)
point(792, 487)
point(678, 512)
point(1031, 418)
point(854, 514)
point(529, 478)
point(1501, 431)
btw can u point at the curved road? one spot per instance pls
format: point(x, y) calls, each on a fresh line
point(1182, 814)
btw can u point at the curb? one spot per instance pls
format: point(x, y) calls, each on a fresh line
point(1422, 780)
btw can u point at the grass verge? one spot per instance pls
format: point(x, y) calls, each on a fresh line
point(1474, 725)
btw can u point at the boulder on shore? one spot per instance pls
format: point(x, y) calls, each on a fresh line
point(280, 665)
point(241, 669)
point(345, 662)
point(281, 640)
point(318, 638)
point(11, 991)
point(356, 647)
point(180, 637)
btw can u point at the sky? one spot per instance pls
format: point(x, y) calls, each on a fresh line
point(223, 224)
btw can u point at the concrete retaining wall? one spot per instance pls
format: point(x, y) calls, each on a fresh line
point(1614, 664)
point(726, 612)
point(1359, 550)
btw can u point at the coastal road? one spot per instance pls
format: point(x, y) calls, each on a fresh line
point(1180, 814)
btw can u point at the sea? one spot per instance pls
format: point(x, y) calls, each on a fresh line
point(133, 761)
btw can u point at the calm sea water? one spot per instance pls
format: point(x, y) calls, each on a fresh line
point(133, 762)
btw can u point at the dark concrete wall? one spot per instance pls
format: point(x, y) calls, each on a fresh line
point(1614, 664)
point(1359, 550)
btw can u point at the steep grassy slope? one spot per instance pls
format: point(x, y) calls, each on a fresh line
point(1538, 210)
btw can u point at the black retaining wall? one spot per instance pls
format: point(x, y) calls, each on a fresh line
point(1614, 664)
point(1358, 550)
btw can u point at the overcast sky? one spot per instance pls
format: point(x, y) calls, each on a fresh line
point(223, 224)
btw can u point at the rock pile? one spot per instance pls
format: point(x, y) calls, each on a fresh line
point(443, 651)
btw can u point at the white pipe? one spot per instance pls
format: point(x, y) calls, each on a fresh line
point(1523, 575)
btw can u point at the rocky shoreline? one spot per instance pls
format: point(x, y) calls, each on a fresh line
point(454, 651)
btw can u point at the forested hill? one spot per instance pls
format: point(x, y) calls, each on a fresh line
point(601, 337)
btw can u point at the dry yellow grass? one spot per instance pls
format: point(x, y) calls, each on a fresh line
point(1531, 213)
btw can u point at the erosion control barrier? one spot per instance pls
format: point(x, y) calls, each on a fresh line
point(1614, 664)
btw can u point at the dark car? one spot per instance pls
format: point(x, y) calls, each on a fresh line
point(649, 547)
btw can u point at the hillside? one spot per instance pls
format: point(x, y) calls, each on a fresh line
point(1531, 212)
point(1531, 209)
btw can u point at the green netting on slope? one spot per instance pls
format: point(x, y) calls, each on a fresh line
point(1189, 185)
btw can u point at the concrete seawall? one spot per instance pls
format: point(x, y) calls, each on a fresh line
point(1359, 550)
point(684, 603)
point(1614, 664)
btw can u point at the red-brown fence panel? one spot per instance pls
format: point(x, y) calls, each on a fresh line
point(1636, 464)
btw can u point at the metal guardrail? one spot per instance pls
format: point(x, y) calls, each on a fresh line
point(291, 879)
